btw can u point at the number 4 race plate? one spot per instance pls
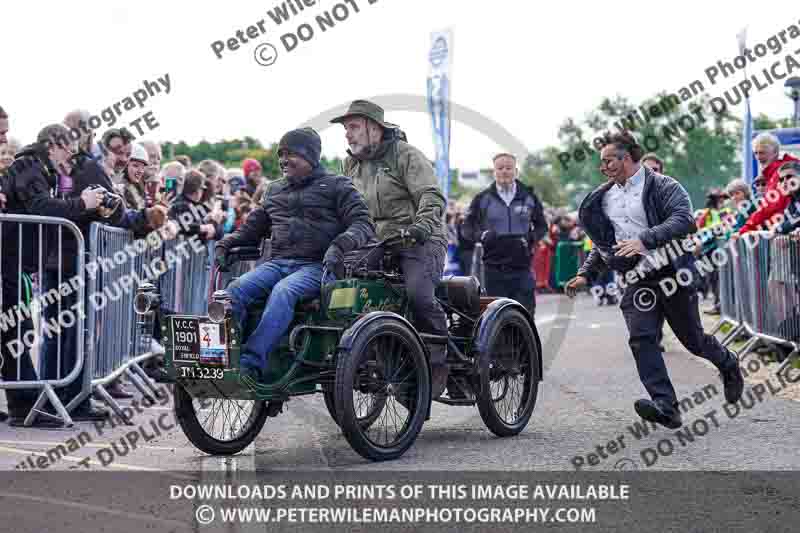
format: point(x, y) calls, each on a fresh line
point(212, 346)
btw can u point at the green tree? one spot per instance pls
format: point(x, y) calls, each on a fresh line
point(763, 122)
point(537, 172)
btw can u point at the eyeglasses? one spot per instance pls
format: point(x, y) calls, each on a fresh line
point(117, 150)
point(786, 177)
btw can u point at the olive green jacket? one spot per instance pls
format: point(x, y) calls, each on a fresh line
point(401, 189)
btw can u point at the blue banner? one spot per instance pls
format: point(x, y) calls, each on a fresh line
point(439, 59)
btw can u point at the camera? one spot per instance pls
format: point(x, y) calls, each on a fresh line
point(111, 201)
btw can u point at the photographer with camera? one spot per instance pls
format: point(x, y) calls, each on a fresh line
point(36, 184)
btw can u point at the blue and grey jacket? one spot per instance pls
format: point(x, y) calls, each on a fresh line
point(669, 217)
point(518, 226)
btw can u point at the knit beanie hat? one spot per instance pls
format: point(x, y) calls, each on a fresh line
point(304, 142)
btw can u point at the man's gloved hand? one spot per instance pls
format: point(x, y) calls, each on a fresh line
point(488, 237)
point(413, 235)
point(334, 261)
point(221, 258)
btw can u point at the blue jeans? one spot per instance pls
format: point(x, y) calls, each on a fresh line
point(290, 281)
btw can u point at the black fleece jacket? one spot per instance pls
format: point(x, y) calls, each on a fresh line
point(305, 217)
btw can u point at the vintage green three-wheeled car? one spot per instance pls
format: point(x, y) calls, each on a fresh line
point(355, 345)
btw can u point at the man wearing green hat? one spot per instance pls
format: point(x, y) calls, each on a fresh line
point(404, 199)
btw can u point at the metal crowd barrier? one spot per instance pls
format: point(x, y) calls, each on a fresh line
point(115, 344)
point(728, 283)
point(36, 234)
point(477, 268)
point(185, 287)
point(760, 293)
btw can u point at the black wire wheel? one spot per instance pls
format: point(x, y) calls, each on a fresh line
point(508, 375)
point(219, 426)
point(368, 407)
point(385, 374)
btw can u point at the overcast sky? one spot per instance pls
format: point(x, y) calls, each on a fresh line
point(525, 65)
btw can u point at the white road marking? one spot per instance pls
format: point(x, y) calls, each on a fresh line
point(87, 445)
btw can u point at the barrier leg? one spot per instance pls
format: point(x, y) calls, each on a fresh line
point(747, 348)
point(139, 385)
point(79, 399)
point(732, 334)
point(718, 326)
point(112, 403)
point(787, 362)
point(48, 394)
point(149, 382)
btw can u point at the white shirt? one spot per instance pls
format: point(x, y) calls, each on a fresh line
point(508, 195)
point(624, 206)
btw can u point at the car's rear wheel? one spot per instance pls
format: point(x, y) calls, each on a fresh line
point(509, 370)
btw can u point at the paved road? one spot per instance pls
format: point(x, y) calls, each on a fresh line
point(585, 401)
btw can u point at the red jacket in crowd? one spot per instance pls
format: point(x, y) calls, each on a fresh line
point(774, 206)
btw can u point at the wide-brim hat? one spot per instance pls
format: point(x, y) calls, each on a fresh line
point(363, 108)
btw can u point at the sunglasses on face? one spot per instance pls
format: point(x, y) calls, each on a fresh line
point(761, 184)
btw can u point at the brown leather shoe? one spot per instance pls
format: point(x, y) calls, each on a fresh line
point(117, 391)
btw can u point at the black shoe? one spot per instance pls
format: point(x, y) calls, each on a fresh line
point(661, 347)
point(454, 390)
point(274, 408)
point(91, 414)
point(3, 416)
point(733, 382)
point(439, 375)
point(658, 413)
point(612, 300)
point(40, 422)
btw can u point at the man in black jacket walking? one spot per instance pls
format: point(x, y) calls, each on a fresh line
point(628, 218)
point(314, 218)
point(508, 219)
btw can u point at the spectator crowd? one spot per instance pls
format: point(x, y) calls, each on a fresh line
point(70, 173)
